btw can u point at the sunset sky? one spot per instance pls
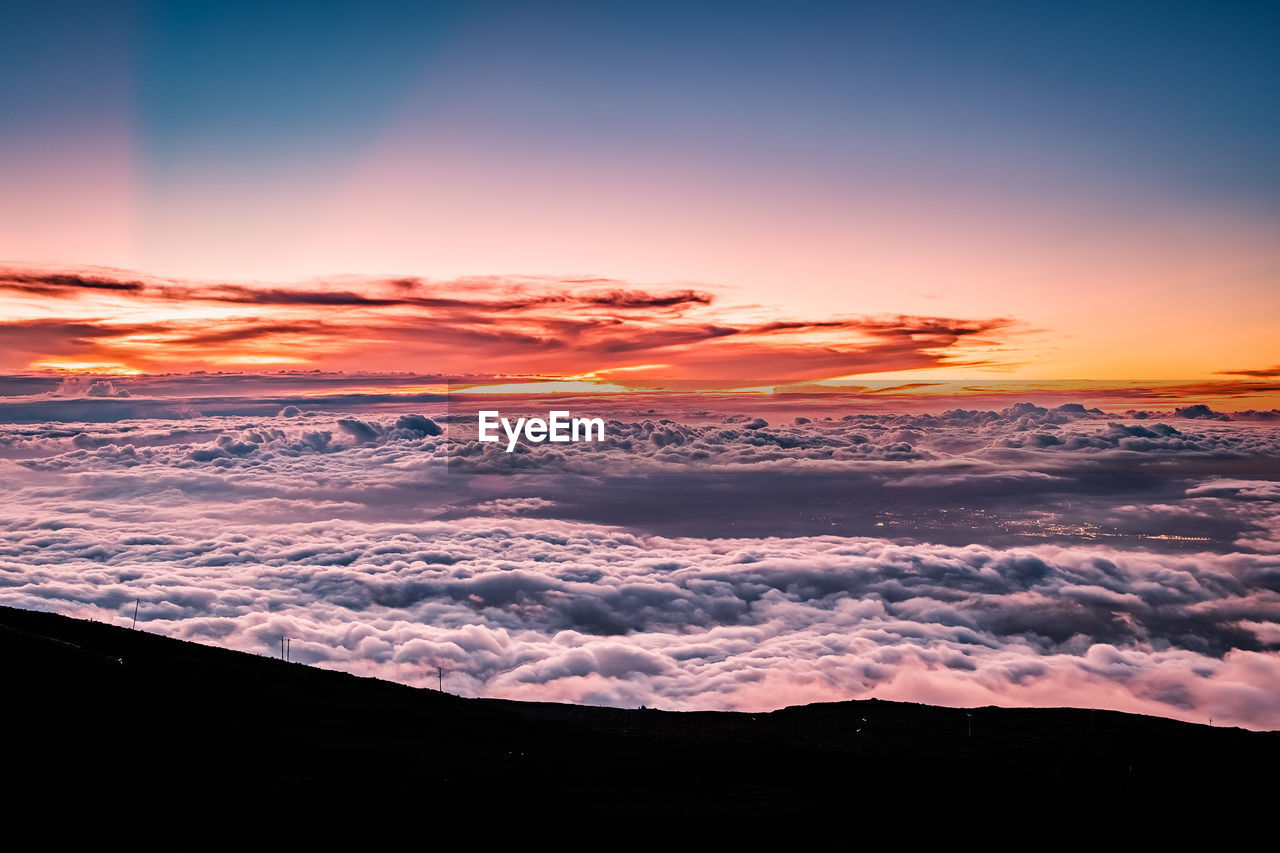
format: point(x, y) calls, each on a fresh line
point(936, 344)
point(807, 190)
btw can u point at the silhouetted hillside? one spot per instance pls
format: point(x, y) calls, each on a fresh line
point(126, 729)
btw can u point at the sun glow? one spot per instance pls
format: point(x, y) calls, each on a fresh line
point(595, 374)
point(105, 368)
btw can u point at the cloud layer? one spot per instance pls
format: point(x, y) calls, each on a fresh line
point(1024, 556)
point(566, 611)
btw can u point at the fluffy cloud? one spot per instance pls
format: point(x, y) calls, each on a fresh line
point(560, 610)
point(987, 476)
point(749, 561)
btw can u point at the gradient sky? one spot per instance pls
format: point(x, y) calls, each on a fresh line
point(1091, 191)
point(999, 194)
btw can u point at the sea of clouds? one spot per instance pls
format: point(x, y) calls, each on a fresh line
point(1027, 556)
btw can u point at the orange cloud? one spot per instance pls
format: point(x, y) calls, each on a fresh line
point(514, 325)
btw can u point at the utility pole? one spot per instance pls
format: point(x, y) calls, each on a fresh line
point(136, 602)
point(440, 678)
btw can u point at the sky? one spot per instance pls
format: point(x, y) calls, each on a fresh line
point(935, 344)
point(1086, 192)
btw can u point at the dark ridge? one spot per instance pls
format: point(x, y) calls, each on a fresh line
point(138, 735)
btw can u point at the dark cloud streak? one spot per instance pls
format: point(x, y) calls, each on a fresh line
point(510, 324)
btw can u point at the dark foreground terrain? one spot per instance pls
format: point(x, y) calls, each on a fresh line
point(128, 735)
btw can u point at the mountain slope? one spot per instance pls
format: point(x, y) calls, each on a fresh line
point(117, 726)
